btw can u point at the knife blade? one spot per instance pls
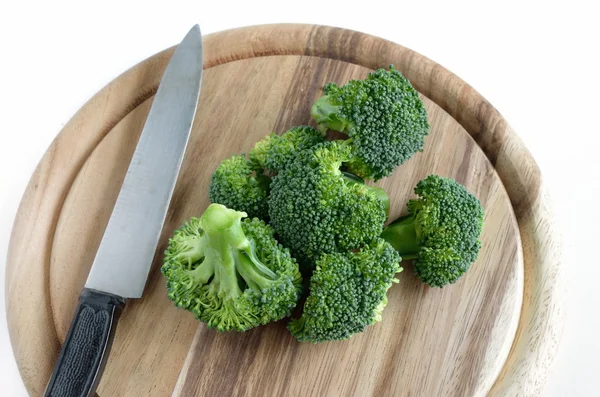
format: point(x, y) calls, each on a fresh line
point(124, 257)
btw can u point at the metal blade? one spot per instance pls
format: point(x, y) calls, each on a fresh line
point(125, 254)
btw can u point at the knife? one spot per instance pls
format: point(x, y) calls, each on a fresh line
point(125, 254)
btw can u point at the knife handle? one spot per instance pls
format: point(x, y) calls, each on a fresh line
point(84, 353)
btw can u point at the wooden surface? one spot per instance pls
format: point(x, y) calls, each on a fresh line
point(493, 333)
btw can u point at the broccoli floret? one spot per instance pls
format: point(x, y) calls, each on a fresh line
point(272, 152)
point(243, 183)
point(236, 185)
point(379, 192)
point(348, 292)
point(230, 273)
point(315, 210)
point(441, 231)
point(382, 115)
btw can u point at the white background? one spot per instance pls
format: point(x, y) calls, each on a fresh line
point(537, 62)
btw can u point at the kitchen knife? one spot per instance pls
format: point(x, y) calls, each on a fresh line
point(125, 254)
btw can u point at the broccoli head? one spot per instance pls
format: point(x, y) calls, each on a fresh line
point(348, 292)
point(382, 115)
point(441, 231)
point(314, 209)
point(236, 185)
point(230, 273)
point(272, 152)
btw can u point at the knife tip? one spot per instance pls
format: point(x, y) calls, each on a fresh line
point(193, 37)
point(195, 29)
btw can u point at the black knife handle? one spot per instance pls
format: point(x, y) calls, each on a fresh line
point(84, 353)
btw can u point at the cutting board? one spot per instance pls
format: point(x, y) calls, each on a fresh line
point(494, 332)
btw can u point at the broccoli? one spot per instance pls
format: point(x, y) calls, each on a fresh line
point(382, 115)
point(348, 292)
point(441, 231)
point(272, 152)
point(315, 210)
point(379, 192)
point(236, 185)
point(243, 183)
point(230, 273)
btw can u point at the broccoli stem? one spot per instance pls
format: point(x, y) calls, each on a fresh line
point(257, 265)
point(203, 272)
point(191, 250)
point(249, 271)
point(379, 192)
point(402, 235)
point(383, 197)
point(226, 243)
point(225, 274)
point(223, 238)
point(325, 114)
point(296, 327)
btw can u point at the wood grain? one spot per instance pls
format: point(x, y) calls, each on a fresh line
point(456, 341)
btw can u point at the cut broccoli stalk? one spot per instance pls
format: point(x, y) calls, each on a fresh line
point(231, 274)
point(225, 244)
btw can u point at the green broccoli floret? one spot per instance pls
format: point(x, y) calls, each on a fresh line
point(315, 210)
point(236, 185)
point(348, 292)
point(379, 192)
point(383, 116)
point(230, 273)
point(272, 152)
point(243, 183)
point(441, 231)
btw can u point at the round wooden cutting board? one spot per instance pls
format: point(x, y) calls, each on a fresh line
point(494, 332)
